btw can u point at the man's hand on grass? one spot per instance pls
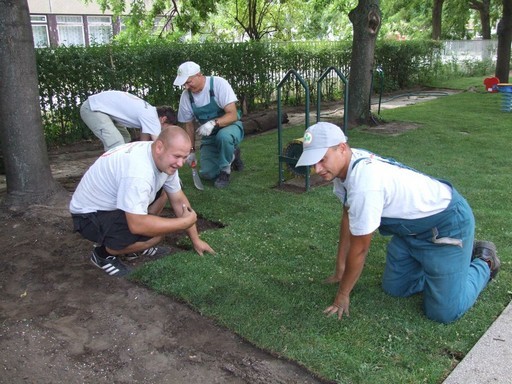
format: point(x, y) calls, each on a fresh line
point(340, 306)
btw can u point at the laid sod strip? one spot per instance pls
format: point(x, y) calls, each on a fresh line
point(276, 248)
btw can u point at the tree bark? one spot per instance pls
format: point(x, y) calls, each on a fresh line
point(28, 174)
point(485, 18)
point(366, 21)
point(437, 17)
point(504, 40)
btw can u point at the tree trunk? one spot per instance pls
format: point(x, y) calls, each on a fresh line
point(27, 169)
point(437, 17)
point(366, 21)
point(504, 40)
point(483, 8)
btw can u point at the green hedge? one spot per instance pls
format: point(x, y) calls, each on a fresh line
point(68, 75)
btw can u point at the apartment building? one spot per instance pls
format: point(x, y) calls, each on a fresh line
point(72, 22)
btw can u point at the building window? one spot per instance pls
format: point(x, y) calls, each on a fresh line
point(40, 31)
point(70, 30)
point(100, 29)
point(123, 23)
point(159, 24)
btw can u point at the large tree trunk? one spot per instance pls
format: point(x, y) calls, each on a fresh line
point(366, 21)
point(485, 18)
point(504, 40)
point(27, 169)
point(437, 17)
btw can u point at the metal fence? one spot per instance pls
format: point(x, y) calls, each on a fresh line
point(469, 50)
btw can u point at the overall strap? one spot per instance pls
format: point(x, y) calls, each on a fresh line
point(387, 160)
point(357, 161)
point(212, 93)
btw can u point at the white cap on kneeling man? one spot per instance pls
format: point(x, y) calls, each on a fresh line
point(317, 140)
point(185, 70)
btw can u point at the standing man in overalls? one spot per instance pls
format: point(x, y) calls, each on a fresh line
point(211, 102)
point(432, 249)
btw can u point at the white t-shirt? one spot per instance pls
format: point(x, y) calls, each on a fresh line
point(124, 178)
point(128, 110)
point(223, 92)
point(374, 189)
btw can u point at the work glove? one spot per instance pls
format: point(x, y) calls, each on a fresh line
point(191, 159)
point(207, 128)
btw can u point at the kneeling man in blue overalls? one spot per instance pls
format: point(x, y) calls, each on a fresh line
point(432, 249)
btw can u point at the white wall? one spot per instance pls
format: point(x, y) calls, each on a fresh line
point(69, 7)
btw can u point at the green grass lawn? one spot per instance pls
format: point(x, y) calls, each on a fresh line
point(265, 283)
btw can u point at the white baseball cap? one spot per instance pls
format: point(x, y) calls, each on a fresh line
point(185, 70)
point(317, 140)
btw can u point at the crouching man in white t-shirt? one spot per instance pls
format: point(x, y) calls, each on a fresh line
point(432, 248)
point(116, 204)
point(108, 114)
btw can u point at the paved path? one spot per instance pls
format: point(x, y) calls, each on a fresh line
point(490, 360)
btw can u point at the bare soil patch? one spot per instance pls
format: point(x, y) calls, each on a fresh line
point(393, 128)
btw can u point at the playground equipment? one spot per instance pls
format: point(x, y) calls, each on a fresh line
point(286, 157)
point(380, 73)
point(491, 84)
point(506, 96)
point(290, 154)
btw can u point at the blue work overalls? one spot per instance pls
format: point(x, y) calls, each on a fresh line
point(433, 255)
point(217, 150)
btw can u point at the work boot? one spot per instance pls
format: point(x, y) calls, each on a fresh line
point(486, 251)
point(222, 181)
point(237, 164)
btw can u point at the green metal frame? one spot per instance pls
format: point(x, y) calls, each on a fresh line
point(284, 159)
point(318, 93)
point(380, 73)
point(289, 160)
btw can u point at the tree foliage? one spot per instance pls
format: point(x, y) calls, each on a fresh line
point(229, 20)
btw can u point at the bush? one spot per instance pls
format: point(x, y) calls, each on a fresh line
point(68, 75)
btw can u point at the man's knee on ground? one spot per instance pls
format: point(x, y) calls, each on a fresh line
point(394, 290)
point(444, 316)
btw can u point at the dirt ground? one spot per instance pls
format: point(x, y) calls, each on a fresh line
point(65, 321)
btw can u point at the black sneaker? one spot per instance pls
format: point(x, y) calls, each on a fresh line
point(111, 265)
point(222, 181)
point(151, 252)
point(486, 251)
point(237, 164)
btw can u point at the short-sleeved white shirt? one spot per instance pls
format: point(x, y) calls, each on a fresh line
point(124, 178)
point(128, 110)
point(375, 188)
point(222, 90)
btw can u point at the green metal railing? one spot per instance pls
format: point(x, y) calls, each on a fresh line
point(282, 158)
point(345, 97)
